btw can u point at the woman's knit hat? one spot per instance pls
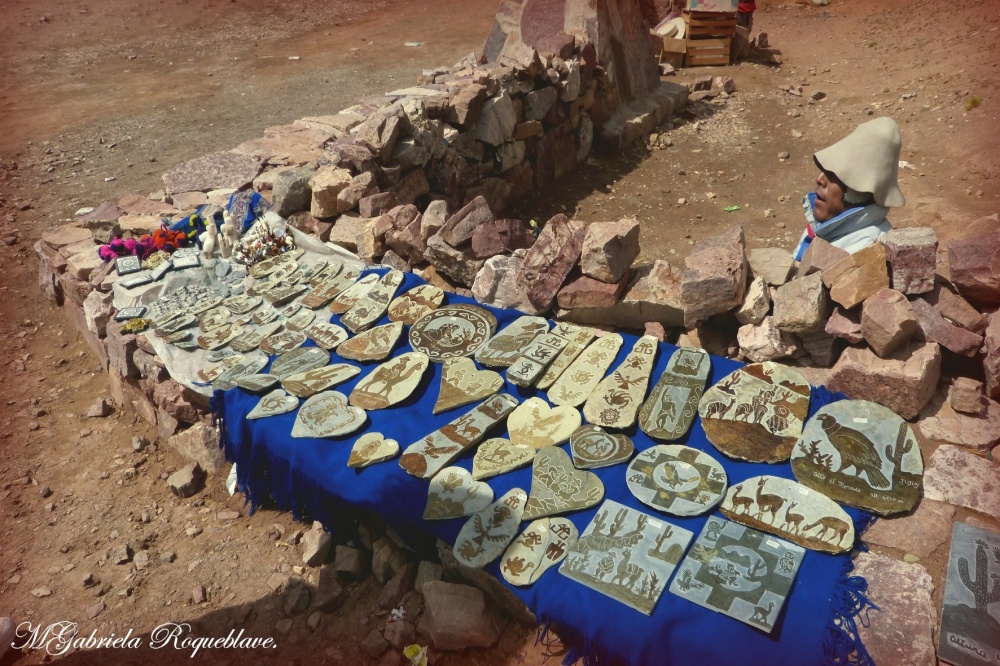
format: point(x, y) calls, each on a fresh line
point(867, 160)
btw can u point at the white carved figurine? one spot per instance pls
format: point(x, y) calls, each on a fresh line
point(230, 235)
point(209, 239)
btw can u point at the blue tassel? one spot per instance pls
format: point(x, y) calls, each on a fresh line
point(850, 603)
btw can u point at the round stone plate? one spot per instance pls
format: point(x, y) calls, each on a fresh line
point(677, 479)
point(592, 447)
point(862, 454)
point(756, 413)
point(452, 332)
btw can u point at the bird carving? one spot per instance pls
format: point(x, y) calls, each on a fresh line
point(855, 449)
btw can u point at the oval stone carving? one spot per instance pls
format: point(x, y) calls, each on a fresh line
point(677, 479)
point(791, 511)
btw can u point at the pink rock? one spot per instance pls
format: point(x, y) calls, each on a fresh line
point(991, 364)
point(955, 309)
point(609, 248)
point(771, 263)
point(408, 242)
point(371, 238)
point(361, 186)
point(756, 304)
point(174, 399)
point(920, 532)
point(326, 184)
point(857, 276)
point(67, 234)
point(121, 347)
point(497, 284)
point(887, 321)
point(845, 324)
point(653, 295)
point(393, 260)
point(715, 277)
point(465, 106)
point(940, 422)
point(216, 171)
point(459, 265)
point(904, 382)
point(495, 237)
point(960, 477)
point(402, 216)
point(550, 259)
point(975, 268)
point(306, 223)
point(935, 328)
point(411, 186)
point(377, 204)
point(287, 144)
point(586, 292)
point(379, 134)
point(655, 329)
point(458, 230)
point(106, 211)
point(765, 341)
point(820, 256)
point(821, 347)
point(912, 256)
point(801, 306)
point(966, 396)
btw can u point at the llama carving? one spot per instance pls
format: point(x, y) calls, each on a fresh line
point(767, 503)
point(829, 524)
point(740, 502)
point(793, 521)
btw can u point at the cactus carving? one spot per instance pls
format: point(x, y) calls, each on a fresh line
point(978, 587)
point(895, 456)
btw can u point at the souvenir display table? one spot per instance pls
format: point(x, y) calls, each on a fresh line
point(310, 476)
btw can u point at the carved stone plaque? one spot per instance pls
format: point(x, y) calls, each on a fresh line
point(593, 448)
point(326, 335)
point(301, 320)
point(498, 455)
point(257, 383)
point(348, 298)
point(577, 340)
point(540, 547)
point(415, 303)
point(617, 398)
point(756, 413)
point(970, 617)
point(284, 293)
point(862, 454)
point(390, 383)
point(283, 342)
point(670, 409)
point(274, 403)
point(740, 572)
point(463, 383)
point(503, 348)
point(557, 487)
point(325, 291)
point(372, 448)
point(676, 479)
point(374, 304)
point(536, 424)
point(537, 356)
point(486, 534)
point(252, 338)
point(453, 493)
point(627, 555)
point(299, 360)
point(220, 337)
point(452, 331)
point(311, 382)
point(374, 344)
point(580, 379)
point(327, 414)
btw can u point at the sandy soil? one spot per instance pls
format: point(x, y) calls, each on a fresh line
point(98, 99)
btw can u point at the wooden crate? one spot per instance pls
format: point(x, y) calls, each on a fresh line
point(709, 37)
point(703, 52)
point(710, 24)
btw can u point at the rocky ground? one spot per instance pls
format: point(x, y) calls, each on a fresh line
point(98, 100)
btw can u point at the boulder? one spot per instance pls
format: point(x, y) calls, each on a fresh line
point(609, 248)
point(351, 562)
point(460, 265)
point(537, 103)
point(345, 231)
point(186, 481)
point(495, 237)
point(325, 186)
point(822, 347)
point(756, 304)
point(97, 311)
point(548, 262)
point(65, 235)
point(379, 133)
point(330, 594)
point(765, 341)
point(361, 186)
point(200, 444)
point(316, 545)
point(291, 191)
point(955, 309)
point(294, 144)
point(960, 477)
point(457, 617)
point(904, 382)
point(991, 364)
point(933, 327)
point(771, 263)
point(407, 242)
point(307, 224)
point(653, 295)
point(459, 228)
point(393, 260)
point(715, 277)
point(215, 171)
point(371, 238)
point(975, 267)
point(377, 204)
point(465, 106)
point(801, 306)
point(82, 264)
point(857, 276)
point(586, 292)
point(412, 185)
point(175, 400)
point(941, 423)
point(912, 256)
point(497, 284)
point(496, 121)
point(920, 532)
point(845, 324)
point(887, 321)
point(820, 255)
point(966, 396)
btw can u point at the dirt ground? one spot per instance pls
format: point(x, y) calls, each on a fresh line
point(98, 99)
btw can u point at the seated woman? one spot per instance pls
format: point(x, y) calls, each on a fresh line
point(856, 187)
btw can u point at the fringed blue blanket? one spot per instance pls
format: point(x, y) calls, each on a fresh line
point(310, 477)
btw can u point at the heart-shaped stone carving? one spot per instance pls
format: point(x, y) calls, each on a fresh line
point(536, 424)
point(556, 487)
point(462, 382)
point(453, 493)
point(486, 534)
point(540, 547)
point(592, 448)
point(372, 448)
point(327, 414)
point(499, 455)
point(274, 403)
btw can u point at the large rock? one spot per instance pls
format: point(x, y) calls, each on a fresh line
point(966, 396)
point(586, 292)
point(460, 265)
point(941, 423)
point(325, 187)
point(887, 321)
point(293, 144)
point(845, 324)
point(186, 481)
point(378, 204)
point(290, 191)
point(65, 235)
point(771, 263)
point(857, 276)
point(497, 284)
point(496, 121)
point(756, 304)
point(361, 186)
point(617, 33)
point(902, 632)
point(820, 256)
point(200, 444)
point(82, 264)
point(801, 306)
point(609, 248)
point(958, 476)
point(316, 545)
point(97, 310)
point(216, 171)
point(920, 532)
point(904, 382)
point(457, 617)
point(537, 103)
point(991, 364)
point(975, 267)
point(412, 185)
point(822, 347)
point(912, 256)
point(654, 295)
point(407, 242)
point(372, 238)
point(932, 326)
point(955, 309)
point(379, 133)
point(765, 341)
point(548, 262)
point(501, 237)
point(176, 400)
point(715, 277)
point(306, 223)
point(121, 347)
point(466, 105)
point(459, 228)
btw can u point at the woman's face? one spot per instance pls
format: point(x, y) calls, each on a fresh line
point(829, 197)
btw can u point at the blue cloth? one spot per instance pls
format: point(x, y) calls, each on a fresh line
point(310, 477)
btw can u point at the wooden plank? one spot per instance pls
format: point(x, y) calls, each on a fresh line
point(702, 61)
point(707, 43)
